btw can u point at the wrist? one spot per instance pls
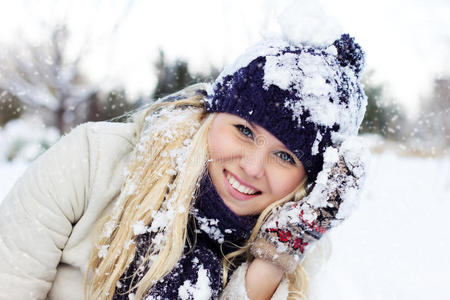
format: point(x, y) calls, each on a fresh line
point(265, 250)
point(262, 279)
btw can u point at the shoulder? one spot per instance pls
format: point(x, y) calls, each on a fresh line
point(86, 166)
point(97, 145)
point(97, 155)
point(101, 143)
point(109, 132)
point(87, 138)
point(108, 151)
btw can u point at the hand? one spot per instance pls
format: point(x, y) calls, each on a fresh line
point(262, 279)
point(294, 227)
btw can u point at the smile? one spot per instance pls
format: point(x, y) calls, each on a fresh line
point(239, 190)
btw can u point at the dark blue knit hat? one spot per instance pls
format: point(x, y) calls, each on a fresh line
point(308, 96)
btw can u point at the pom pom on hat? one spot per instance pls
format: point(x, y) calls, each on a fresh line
point(350, 53)
point(308, 96)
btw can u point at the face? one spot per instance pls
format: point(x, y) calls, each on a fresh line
point(250, 168)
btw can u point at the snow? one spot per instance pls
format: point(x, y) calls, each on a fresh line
point(268, 47)
point(128, 244)
point(9, 172)
point(102, 251)
point(21, 141)
point(313, 77)
point(200, 290)
point(108, 228)
point(139, 228)
point(281, 76)
point(305, 21)
point(167, 130)
point(25, 139)
point(209, 226)
point(394, 246)
point(161, 220)
point(302, 23)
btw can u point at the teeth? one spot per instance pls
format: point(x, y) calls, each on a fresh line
point(235, 185)
point(243, 189)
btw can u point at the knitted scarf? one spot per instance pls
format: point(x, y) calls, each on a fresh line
point(214, 231)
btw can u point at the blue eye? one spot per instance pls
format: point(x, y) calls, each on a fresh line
point(244, 130)
point(286, 157)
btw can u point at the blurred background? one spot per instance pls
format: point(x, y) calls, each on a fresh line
point(63, 63)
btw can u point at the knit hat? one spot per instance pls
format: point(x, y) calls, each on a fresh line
point(308, 96)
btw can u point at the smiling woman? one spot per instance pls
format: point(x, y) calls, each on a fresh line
point(250, 169)
point(217, 191)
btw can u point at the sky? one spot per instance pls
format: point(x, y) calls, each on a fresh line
point(406, 42)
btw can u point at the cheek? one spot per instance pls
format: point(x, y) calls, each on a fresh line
point(284, 182)
point(222, 143)
point(214, 142)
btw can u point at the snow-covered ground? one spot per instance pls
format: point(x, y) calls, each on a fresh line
point(9, 172)
point(21, 141)
point(395, 246)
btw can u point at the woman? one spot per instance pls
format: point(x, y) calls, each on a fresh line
point(212, 202)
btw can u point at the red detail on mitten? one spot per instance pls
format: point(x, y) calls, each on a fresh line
point(312, 225)
point(298, 243)
point(284, 235)
point(275, 229)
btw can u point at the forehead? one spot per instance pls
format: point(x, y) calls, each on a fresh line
point(261, 132)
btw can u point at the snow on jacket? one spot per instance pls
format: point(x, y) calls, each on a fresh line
point(52, 217)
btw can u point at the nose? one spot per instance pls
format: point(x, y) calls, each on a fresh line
point(252, 163)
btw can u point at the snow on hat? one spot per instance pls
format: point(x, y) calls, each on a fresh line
point(309, 96)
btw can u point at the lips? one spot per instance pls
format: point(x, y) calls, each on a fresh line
point(239, 189)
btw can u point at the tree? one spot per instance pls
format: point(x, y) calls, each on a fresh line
point(383, 116)
point(175, 76)
point(433, 123)
point(10, 107)
point(109, 106)
point(46, 79)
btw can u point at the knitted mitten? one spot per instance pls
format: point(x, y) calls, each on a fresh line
point(296, 225)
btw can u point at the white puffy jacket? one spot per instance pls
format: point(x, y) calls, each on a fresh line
point(51, 219)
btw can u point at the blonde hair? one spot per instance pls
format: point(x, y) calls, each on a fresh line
point(154, 185)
